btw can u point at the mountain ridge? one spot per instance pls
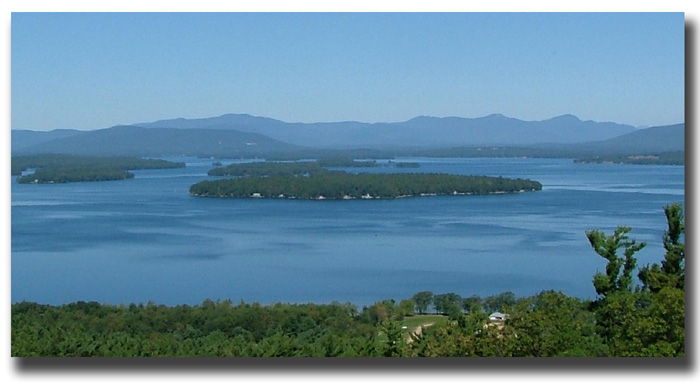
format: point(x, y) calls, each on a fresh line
point(130, 140)
point(418, 131)
point(244, 134)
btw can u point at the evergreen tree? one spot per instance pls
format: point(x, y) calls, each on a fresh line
point(671, 272)
point(607, 247)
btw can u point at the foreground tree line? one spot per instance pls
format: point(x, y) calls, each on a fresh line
point(628, 318)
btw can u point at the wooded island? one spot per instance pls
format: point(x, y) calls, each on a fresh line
point(341, 185)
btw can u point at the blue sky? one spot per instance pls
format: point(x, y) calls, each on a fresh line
point(90, 71)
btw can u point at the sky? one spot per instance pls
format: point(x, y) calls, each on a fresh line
point(96, 70)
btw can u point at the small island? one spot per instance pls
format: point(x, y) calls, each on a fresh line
point(54, 169)
point(340, 185)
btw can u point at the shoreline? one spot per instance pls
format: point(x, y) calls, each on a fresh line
point(363, 197)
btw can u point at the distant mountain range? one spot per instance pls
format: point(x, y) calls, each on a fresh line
point(421, 131)
point(242, 135)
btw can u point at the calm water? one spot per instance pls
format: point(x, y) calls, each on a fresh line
point(147, 239)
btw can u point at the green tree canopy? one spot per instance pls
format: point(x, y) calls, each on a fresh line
point(423, 300)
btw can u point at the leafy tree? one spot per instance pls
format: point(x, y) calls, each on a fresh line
point(407, 307)
point(472, 304)
point(552, 324)
point(499, 301)
point(449, 304)
point(423, 300)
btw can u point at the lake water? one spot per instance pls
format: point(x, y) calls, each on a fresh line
point(145, 239)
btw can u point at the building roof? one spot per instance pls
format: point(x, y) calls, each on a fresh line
point(498, 316)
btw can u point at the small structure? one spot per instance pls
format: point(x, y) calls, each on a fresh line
point(497, 320)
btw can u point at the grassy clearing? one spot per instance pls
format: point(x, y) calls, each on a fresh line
point(414, 322)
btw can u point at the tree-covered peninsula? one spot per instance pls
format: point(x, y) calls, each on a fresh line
point(21, 163)
point(263, 169)
point(70, 175)
point(662, 158)
point(73, 168)
point(340, 185)
point(289, 168)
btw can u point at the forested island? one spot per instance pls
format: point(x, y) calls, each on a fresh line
point(642, 319)
point(341, 185)
point(72, 168)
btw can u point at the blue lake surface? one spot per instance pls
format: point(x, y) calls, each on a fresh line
point(145, 239)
